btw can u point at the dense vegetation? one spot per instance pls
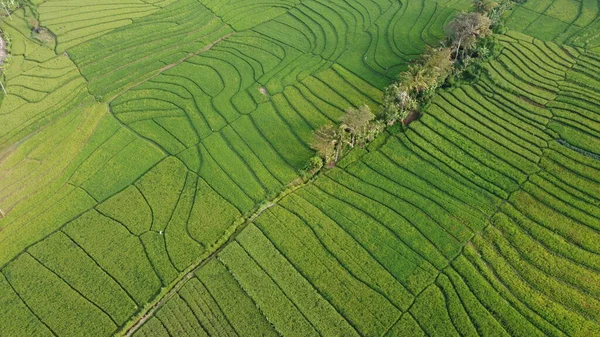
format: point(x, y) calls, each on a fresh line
point(145, 146)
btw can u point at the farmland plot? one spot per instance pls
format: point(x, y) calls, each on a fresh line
point(136, 137)
point(571, 22)
point(151, 145)
point(481, 219)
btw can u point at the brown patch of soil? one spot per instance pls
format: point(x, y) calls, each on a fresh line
point(43, 35)
point(413, 116)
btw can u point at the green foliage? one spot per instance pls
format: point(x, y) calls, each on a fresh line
point(206, 309)
point(17, 318)
point(152, 328)
point(416, 85)
point(328, 143)
point(429, 310)
point(129, 208)
point(398, 103)
point(475, 213)
point(431, 69)
point(357, 128)
point(63, 257)
point(182, 249)
point(465, 30)
point(320, 313)
point(347, 293)
point(473, 221)
point(314, 165)
point(178, 318)
point(211, 215)
point(357, 123)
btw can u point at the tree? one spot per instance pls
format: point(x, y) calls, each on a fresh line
point(327, 143)
point(375, 128)
point(357, 127)
point(484, 6)
point(437, 63)
point(466, 29)
point(356, 123)
point(415, 79)
point(495, 14)
point(416, 84)
point(431, 69)
point(398, 102)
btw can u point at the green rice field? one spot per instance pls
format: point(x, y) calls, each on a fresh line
point(150, 173)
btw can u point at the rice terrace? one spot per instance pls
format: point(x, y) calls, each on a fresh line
point(299, 168)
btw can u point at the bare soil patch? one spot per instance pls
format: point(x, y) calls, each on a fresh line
point(413, 116)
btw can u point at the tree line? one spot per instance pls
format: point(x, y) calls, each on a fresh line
point(468, 42)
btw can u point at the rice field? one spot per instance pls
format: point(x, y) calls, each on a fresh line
point(570, 22)
point(481, 219)
point(144, 146)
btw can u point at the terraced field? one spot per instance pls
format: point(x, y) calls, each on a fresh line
point(481, 219)
point(570, 22)
point(143, 147)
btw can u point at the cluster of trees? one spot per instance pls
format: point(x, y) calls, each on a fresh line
point(357, 128)
point(467, 43)
point(416, 85)
point(465, 31)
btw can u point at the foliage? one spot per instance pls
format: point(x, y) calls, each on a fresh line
point(397, 103)
point(357, 128)
point(356, 123)
point(314, 165)
point(356, 247)
point(469, 42)
point(327, 143)
point(416, 85)
point(485, 6)
point(434, 211)
point(465, 30)
point(430, 70)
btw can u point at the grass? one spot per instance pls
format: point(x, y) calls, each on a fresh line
point(136, 138)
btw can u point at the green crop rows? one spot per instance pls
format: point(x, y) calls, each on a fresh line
point(570, 22)
point(137, 137)
point(476, 221)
